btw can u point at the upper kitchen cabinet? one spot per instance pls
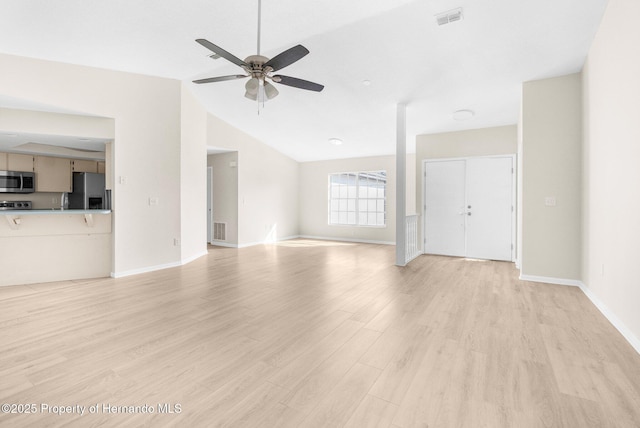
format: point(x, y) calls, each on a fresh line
point(3, 162)
point(101, 167)
point(53, 174)
point(18, 162)
point(80, 165)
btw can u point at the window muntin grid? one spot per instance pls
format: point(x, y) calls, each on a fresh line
point(358, 198)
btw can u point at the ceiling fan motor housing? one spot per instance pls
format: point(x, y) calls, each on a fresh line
point(255, 65)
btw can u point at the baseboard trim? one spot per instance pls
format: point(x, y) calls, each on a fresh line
point(194, 257)
point(145, 269)
point(223, 244)
point(287, 238)
point(360, 241)
point(604, 310)
point(613, 319)
point(158, 267)
point(551, 280)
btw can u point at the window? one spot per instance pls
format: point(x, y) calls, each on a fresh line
point(358, 198)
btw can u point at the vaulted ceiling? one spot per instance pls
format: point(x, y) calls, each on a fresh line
point(475, 64)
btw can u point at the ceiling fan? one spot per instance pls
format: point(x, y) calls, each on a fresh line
point(260, 69)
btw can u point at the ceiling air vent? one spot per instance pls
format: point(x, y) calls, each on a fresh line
point(449, 16)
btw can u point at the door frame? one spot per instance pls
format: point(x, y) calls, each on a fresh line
point(209, 204)
point(514, 195)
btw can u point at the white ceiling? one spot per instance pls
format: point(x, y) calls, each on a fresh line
point(477, 63)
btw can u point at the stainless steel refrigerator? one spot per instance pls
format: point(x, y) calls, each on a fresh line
point(88, 191)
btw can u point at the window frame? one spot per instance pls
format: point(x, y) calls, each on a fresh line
point(357, 199)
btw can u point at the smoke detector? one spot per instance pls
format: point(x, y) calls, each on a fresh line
point(449, 16)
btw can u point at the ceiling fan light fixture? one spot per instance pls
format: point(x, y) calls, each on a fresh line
point(252, 86)
point(270, 91)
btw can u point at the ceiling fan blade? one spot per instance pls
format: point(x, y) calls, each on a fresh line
point(220, 78)
point(298, 83)
point(287, 57)
point(218, 50)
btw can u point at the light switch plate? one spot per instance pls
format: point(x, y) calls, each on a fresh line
point(550, 201)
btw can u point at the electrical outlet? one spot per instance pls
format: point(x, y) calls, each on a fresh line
point(153, 200)
point(123, 179)
point(550, 201)
point(176, 242)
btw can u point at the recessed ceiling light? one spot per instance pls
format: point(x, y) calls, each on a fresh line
point(366, 82)
point(335, 141)
point(463, 114)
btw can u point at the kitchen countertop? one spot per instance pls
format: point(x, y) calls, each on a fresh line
point(52, 211)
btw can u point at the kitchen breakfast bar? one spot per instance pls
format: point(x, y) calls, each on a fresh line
point(55, 245)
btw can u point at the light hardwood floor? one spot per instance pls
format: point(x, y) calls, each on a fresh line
point(316, 334)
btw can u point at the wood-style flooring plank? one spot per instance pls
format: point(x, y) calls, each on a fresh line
point(316, 333)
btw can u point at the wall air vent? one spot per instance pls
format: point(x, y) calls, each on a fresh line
point(449, 16)
point(219, 231)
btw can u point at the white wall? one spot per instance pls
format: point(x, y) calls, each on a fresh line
point(551, 167)
point(611, 202)
point(193, 178)
point(313, 204)
point(267, 185)
point(39, 122)
point(147, 147)
point(225, 193)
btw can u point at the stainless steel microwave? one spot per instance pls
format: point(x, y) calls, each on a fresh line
point(17, 182)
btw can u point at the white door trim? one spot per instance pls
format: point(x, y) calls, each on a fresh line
point(209, 204)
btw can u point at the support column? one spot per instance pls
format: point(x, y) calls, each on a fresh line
point(401, 183)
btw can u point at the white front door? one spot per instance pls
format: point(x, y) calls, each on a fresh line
point(469, 208)
point(444, 208)
point(489, 212)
